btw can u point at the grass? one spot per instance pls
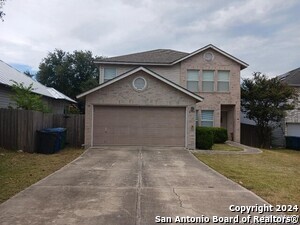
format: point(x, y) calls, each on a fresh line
point(225, 147)
point(274, 175)
point(20, 170)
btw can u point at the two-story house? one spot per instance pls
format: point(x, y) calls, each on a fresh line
point(158, 97)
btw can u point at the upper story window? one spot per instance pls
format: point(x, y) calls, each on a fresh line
point(223, 81)
point(207, 118)
point(193, 80)
point(109, 73)
point(208, 81)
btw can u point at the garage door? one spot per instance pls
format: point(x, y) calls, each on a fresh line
point(293, 129)
point(152, 126)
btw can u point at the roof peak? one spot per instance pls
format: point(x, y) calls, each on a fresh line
point(162, 57)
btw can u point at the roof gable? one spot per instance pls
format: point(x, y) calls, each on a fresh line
point(124, 75)
point(163, 57)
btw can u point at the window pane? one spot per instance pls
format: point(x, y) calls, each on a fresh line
point(208, 75)
point(109, 73)
point(223, 75)
point(193, 75)
point(193, 86)
point(223, 86)
point(207, 118)
point(207, 86)
point(206, 124)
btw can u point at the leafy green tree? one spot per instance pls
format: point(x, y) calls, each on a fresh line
point(70, 74)
point(25, 99)
point(265, 101)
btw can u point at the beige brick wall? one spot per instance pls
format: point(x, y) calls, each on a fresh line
point(157, 93)
point(214, 100)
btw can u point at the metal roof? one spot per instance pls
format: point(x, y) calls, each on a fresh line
point(9, 74)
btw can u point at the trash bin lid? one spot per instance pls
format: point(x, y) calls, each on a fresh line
point(56, 129)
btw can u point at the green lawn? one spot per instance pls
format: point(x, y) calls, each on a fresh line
point(20, 170)
point(225, 147)
point(274, 175)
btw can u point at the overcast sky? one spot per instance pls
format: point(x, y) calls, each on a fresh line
point(263, 33)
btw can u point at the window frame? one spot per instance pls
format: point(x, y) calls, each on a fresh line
point(223, 81)
point(106, 68)
point(212, 121)
point(208, 81)
point(188, 80)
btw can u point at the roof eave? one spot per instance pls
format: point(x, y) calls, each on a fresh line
point(132, 63)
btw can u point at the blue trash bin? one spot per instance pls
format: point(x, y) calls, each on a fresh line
point(292, 142)
point(51, 140)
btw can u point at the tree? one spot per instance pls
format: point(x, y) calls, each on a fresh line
point(70, 74)
point(2, 14)
point(265, 101)
point(25, 99)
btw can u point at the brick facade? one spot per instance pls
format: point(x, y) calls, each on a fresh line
point(157, 93)
point(216, 101)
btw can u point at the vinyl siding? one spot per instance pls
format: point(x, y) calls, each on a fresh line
point(171, 73)
point(5, 94)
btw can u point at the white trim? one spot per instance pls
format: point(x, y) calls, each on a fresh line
point(135, 88)
point(208, 59)
point(199, 98)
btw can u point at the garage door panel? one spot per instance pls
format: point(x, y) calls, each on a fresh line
point(139, 126)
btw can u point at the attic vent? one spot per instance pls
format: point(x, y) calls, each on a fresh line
point(139, 83)
point(208, 56)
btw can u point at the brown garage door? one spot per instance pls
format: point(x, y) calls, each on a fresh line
point(153, 126)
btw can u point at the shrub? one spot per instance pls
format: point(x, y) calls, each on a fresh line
point(220, 135)
point(207, 136)
point(204, 138)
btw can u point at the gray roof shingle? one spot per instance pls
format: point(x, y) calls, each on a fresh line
point(292, 77)
point(158, 56)
point(164, 57)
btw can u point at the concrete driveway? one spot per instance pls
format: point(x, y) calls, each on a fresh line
point(127, 185)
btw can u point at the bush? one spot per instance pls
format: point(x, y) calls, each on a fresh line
point(207, 136)
point(204, 138)
point(220, 135)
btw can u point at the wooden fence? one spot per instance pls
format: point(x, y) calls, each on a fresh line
point(18, 128)
point(249, 135)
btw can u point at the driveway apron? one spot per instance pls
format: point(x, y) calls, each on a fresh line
point(127, 185)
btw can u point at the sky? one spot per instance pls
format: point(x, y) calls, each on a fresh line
point(263, 33)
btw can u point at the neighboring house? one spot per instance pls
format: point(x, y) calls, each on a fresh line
point(290, 125)
point(153, 97)
point(291, 122)
point(55, 100)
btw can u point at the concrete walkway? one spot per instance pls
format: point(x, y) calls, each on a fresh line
point(246, 150)
point(128, 186)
